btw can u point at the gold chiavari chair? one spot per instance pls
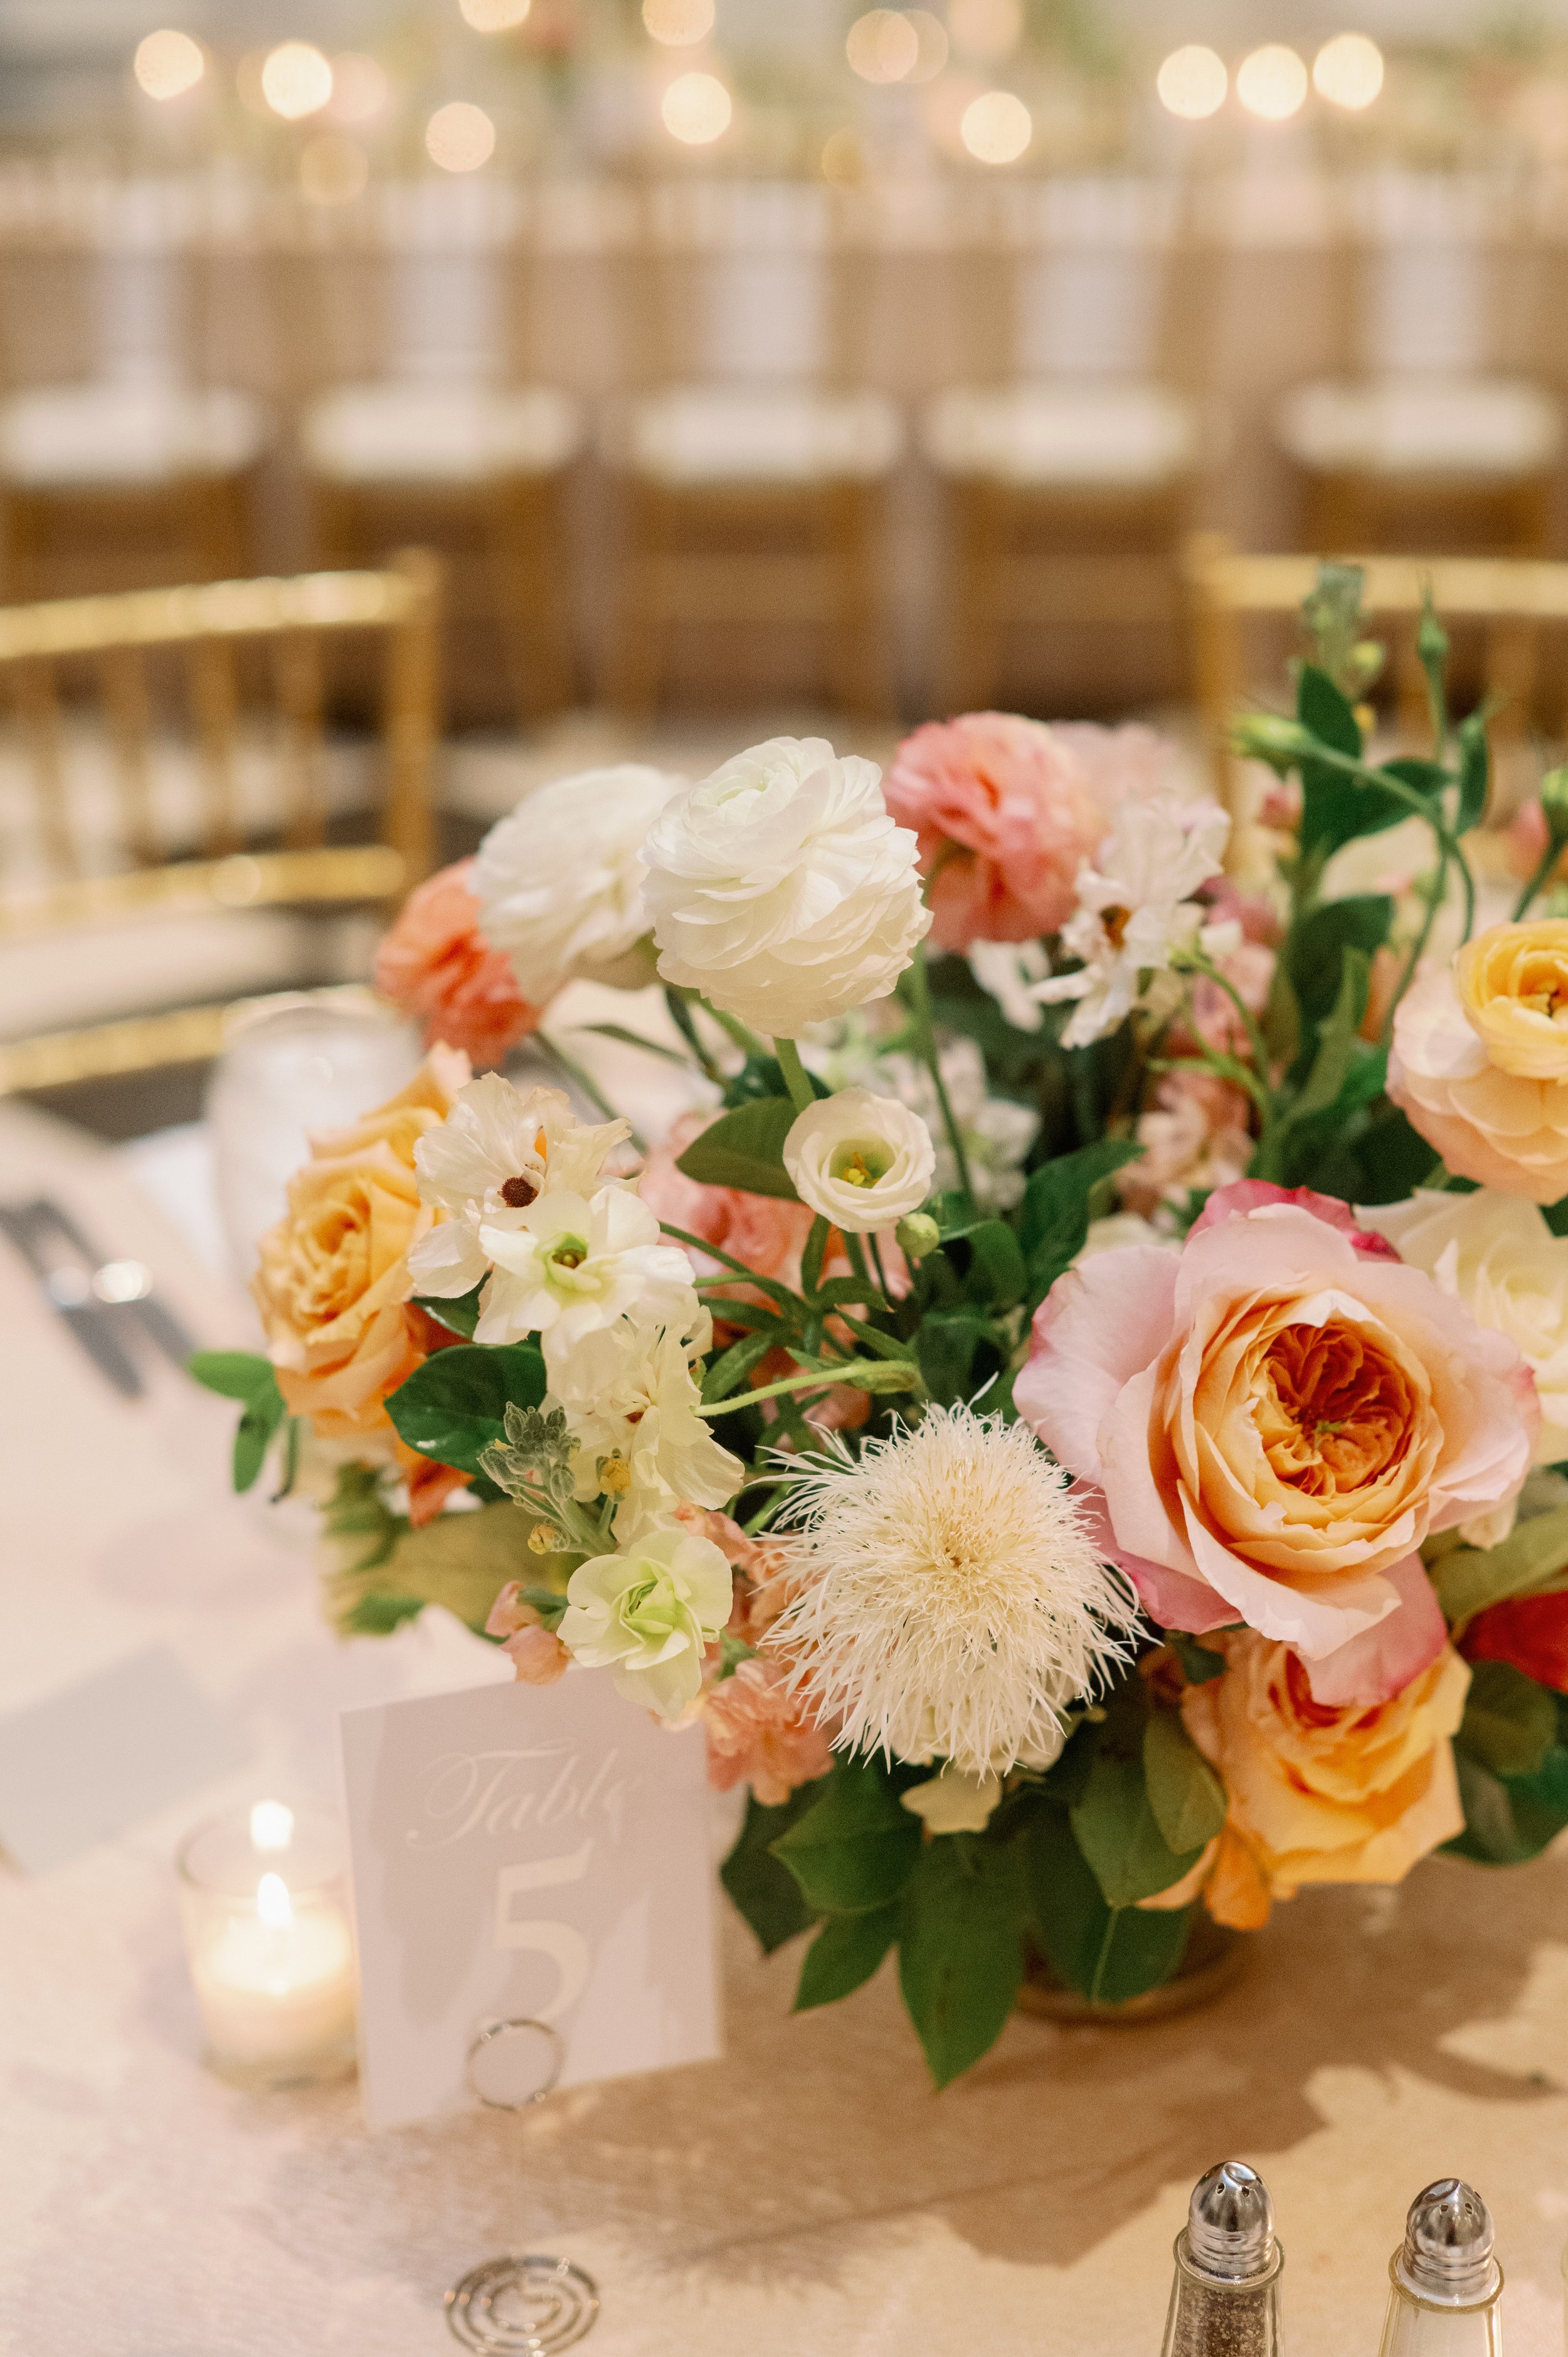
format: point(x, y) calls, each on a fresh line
point(1510, 604)
point(109, 911)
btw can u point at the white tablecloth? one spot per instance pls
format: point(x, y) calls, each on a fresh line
point(808, 2196)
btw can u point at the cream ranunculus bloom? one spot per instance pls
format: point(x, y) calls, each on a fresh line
point(1319, 1795)
point(650, 1614)
point(560, 882)
point(1498, 1255)
point(859, 1160)
point(334, 1277)
point(782, 889)
point(1479, 1064)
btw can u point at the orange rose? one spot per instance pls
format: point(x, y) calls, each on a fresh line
point(1318, 1792)
point(333, 1286)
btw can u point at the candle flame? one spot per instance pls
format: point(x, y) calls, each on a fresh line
point(271, 1825)
point(273, 1904)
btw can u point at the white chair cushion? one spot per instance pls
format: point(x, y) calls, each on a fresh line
point(1081, 437)
point(124, 436)
point(427, 432)
point(708, 434)
point(1493, 426)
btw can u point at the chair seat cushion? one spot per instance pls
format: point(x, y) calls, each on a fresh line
point(1496, 428)
point(1082, 437)
point(439, 434)
point(126, 436)
point(713, 435)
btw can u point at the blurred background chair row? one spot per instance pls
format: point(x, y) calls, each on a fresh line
point(900, 443)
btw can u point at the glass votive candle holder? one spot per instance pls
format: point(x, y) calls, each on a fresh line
point(263, 1900)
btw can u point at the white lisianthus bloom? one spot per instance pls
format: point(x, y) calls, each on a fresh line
point(1135, 912)
point(495, 1153)
point(629, 1393)
point(1495, 1254)
point(781, 888)
point(859, 1160)
point(569, 1263)
point(649, 1613)
point(560, 882)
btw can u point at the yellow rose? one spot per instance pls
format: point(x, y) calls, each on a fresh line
point(1319, 1791)
point(333, 1281)
point(1479, 1063)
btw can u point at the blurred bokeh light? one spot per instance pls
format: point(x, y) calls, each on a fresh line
point(167, 63)
point(697, 108)
point(1272, 83)
point(494, 15)
point(1192, 82)
point(996, 128)
point(883, 46)
point(1349, 71)
point(985, 29)
point(296, 79)
point(459, 137)
point(679, 24)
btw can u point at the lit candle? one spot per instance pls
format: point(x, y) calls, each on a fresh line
point(268, 1942)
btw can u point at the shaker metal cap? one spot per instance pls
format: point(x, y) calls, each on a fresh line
point(1230, 2223)
point(1447, 2254)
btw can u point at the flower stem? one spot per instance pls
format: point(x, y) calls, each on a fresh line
point(744, 1038)
point(1418, 947)
point(920, 995)
point(586, 1082)
point(1327, 758)
point(870, 1374)
point(1549, 859)
point(802, 1096)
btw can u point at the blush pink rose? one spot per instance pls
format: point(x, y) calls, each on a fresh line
point(1269, 1423)
point(436, 966)
point(1012, 809)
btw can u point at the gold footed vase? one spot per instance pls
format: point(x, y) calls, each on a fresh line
point(1211, 1960)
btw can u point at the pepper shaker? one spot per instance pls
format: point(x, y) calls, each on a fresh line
point(1225, 2296)
point(1446, 2283)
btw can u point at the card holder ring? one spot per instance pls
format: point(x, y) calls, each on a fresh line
point(490, 2035)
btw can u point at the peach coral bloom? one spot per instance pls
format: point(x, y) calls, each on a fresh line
point(1479, 1063)
point(1273, 1421)
point(333, 1284)
point(1017, 808)
point(436, 965)
point(537, 1655)
point(762, 1734)
point(1318, 1792)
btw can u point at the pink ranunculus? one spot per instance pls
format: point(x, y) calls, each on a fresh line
point(1012, 809)
point(762, 1733)
point(436, 965)
point(1276, 1418)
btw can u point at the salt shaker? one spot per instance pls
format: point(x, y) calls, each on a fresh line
point(1446, 2283)
point(1225, 2298)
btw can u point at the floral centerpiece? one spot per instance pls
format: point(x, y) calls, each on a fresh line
point(1073, 1414)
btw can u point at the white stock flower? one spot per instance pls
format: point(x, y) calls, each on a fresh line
point(571, 1263)
point(1135, 913)
point(948, 1602)
point(494, 1154)
point(1008, 971)
point(630, 1391)
point(781, 888)
point(560, 882)
point(859, 1160)
point(648, 1614)
point(1495, 1254)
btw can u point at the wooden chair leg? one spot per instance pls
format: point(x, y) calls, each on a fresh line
point(634, 663)
point(216, 521)
point(528, 550)
point(859, 670)
point(972, 619)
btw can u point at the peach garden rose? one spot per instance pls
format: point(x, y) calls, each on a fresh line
point(1479, 1063)
point(1270, 1423)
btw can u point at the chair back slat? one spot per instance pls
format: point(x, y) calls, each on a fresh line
point(130, 725)
point(37, 708)
point(214, 704)
point(297, 674)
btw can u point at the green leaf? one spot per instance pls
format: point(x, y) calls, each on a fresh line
point(460, 1561)
point(236, 1374)
point(812, 1255)
point(459, 1316)
point(958, 1352)
point(1314, 952)
point(454, 1405)
point(1336, 1038)
point(745, 1148)
point(1199, 1665)
point(960, 1947)
point(763, 1076)
point(254, 1438)
point(1320, 707)
point(635, 1040)
point(760, 1888)
point(1053, 1221)
point(1468, 1579)
point(1106, 1953)
point(1508, 1820)
point(1510, 1723)
point(377, 1616)
point(734, 1365)
point(857, 1848)
point(1186, 1795)
point(1474, 771)
point(987, 1263)
point(845, 1954)
point(1114, 1822)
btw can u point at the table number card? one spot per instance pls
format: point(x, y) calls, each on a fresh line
point(526, 1850)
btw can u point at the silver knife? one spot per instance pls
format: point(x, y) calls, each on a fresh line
point(69, 1292)
point(123, 1287)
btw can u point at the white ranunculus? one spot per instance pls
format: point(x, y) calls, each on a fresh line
point(494, 1154)
point(861, 1161)
point(649, 1613)
point(560, 883)
point(1495, 1254)
point(780, 888)
point(568, 1264)
point(630, 1392)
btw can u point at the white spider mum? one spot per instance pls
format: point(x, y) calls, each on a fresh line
point(947, 1601)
